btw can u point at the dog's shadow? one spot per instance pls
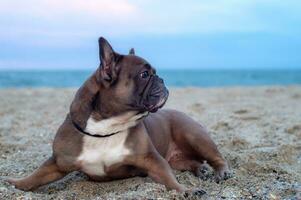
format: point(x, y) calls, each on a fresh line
point(63, 184)
point(73, 181)
point(54, 187)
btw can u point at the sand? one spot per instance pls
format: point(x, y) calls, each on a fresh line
point(258, 130)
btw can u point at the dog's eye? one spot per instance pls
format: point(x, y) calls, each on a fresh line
point(144, 74)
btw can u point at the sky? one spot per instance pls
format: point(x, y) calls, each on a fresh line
point(190, 34)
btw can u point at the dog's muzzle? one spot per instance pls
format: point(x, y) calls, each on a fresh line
point(154, 94)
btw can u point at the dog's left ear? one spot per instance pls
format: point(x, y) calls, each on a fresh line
point(82, 104)
point(132, 51)
point(108, 58)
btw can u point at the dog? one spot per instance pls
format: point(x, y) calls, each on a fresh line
point(115, 130)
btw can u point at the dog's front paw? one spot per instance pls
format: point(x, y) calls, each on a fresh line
point(223, 173)
point(19, 184)
point(194, 192)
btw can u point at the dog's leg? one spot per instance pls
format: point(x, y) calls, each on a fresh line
point(193, 137)
point(206, 149)
point(46, 173)
point(197, 168)
point(159, 170)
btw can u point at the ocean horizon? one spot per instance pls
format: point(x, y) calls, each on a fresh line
point(173, 78)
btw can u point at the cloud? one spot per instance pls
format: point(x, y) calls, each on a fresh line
point(200, 16)
point(56, 9)
point(62, 22)
point(41, 22)
point(35, 33)
point(220, 16)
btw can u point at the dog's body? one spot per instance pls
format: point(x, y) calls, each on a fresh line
point(113, 130)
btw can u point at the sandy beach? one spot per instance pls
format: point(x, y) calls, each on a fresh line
point(258, 130)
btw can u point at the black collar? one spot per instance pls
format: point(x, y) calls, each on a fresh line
point(86, 133)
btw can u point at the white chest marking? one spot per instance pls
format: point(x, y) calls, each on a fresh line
point(98, 153)
point(114, 124)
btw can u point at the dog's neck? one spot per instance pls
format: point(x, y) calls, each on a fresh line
point(104, 108)
point(102, 127)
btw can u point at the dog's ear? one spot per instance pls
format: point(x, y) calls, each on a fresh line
point(132, 51)
point(82, 104)
point(108, 59)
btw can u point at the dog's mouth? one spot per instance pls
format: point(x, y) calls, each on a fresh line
point(159, 104)
point(154, 94)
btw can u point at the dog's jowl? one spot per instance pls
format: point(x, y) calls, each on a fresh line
point(115, 129)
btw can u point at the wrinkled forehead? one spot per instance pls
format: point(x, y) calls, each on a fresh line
point(134, 64)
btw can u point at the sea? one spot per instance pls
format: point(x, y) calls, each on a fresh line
point(172, 78)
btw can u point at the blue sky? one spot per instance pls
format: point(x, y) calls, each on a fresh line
point(198, 34)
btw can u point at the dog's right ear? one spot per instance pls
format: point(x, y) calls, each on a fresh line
point(82, 104)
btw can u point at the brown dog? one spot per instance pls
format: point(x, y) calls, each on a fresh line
point(113, 130)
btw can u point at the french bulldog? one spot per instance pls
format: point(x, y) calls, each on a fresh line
point(115, 130)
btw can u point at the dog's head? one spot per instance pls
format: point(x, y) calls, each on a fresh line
point(121, 83)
